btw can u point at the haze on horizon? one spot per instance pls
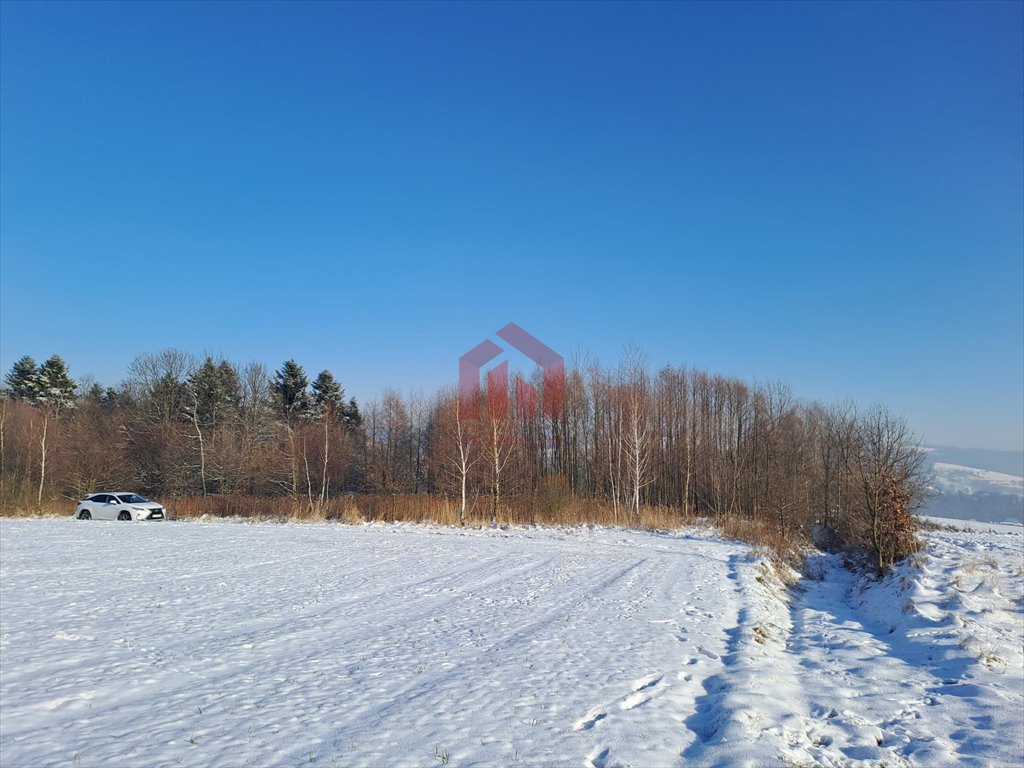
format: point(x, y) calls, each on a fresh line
point(830, 195)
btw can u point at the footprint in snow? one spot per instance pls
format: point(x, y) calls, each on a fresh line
point(634, 700)
point(644, 690)
point(594, 717)
point(599, 759)
point(646, 682)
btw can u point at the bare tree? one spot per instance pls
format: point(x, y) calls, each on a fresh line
point(498, 427)
point(637, 428)
point(884, 465)
point(193, 412)
point(3, 450)
point(327, 417)
point(697, 442)
point(157, 381)
point(464, 458)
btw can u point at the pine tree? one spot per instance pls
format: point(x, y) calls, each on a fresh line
point(22, 379)
point(95, 394)
point(230, 385)
point(290, 388)
point(351, 416)
point(54, 387)
point(328, 396)
point(213, 392)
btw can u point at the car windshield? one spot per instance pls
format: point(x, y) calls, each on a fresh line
point(132, 498)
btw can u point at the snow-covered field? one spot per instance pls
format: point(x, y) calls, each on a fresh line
point(286, 644)
point(953, 478)
point(972, 526)
point(966, 492)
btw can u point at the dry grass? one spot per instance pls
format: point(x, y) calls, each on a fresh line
point(388, 508)
point(761, 634)
point(975, 572)
point(930, 525)
point(444, 510)
point(49, 508)
point(426, 508)
point(785, 545)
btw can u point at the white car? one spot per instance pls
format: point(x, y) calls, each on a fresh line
point(118, 506)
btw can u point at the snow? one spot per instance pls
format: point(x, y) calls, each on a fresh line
point(975, 525)
point(954, 478)
point(966, 492)
point(288, 644)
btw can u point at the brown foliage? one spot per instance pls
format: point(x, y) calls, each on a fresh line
point(627, 448)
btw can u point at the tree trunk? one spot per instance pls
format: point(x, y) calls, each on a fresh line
point(3, 452)
point(42, 459)
point(496, 496)
point(202, 447)
point(323, 479)
point(291, 458)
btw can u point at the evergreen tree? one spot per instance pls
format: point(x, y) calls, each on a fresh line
point(231, 385)
point(328, 396)
point(22, 379)
point(351, 416)
point(290, 388)
point(105, 398)
point(213, 392)
point(114, 399)
point(94, 394)
point(54, 387)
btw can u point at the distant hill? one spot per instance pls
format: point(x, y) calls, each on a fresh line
point(1007, 462)
point(974, 484)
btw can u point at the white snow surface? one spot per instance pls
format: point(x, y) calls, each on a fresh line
point(167, 644)
point(954, 478)
point(974, 525)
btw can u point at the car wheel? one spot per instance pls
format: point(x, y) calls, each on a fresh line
point(124, 516)
point(85, 515)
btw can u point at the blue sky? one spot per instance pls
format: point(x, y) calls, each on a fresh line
point(827, 194)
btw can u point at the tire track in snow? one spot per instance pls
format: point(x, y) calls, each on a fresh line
point(383, 645)
point(662, 700)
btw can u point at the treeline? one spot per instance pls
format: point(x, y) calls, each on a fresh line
point(623, 441)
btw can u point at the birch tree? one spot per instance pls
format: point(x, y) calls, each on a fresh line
point(636, 427)
point(53, 391)
point(291, 395)
point(461, 450)
point(499, 428)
